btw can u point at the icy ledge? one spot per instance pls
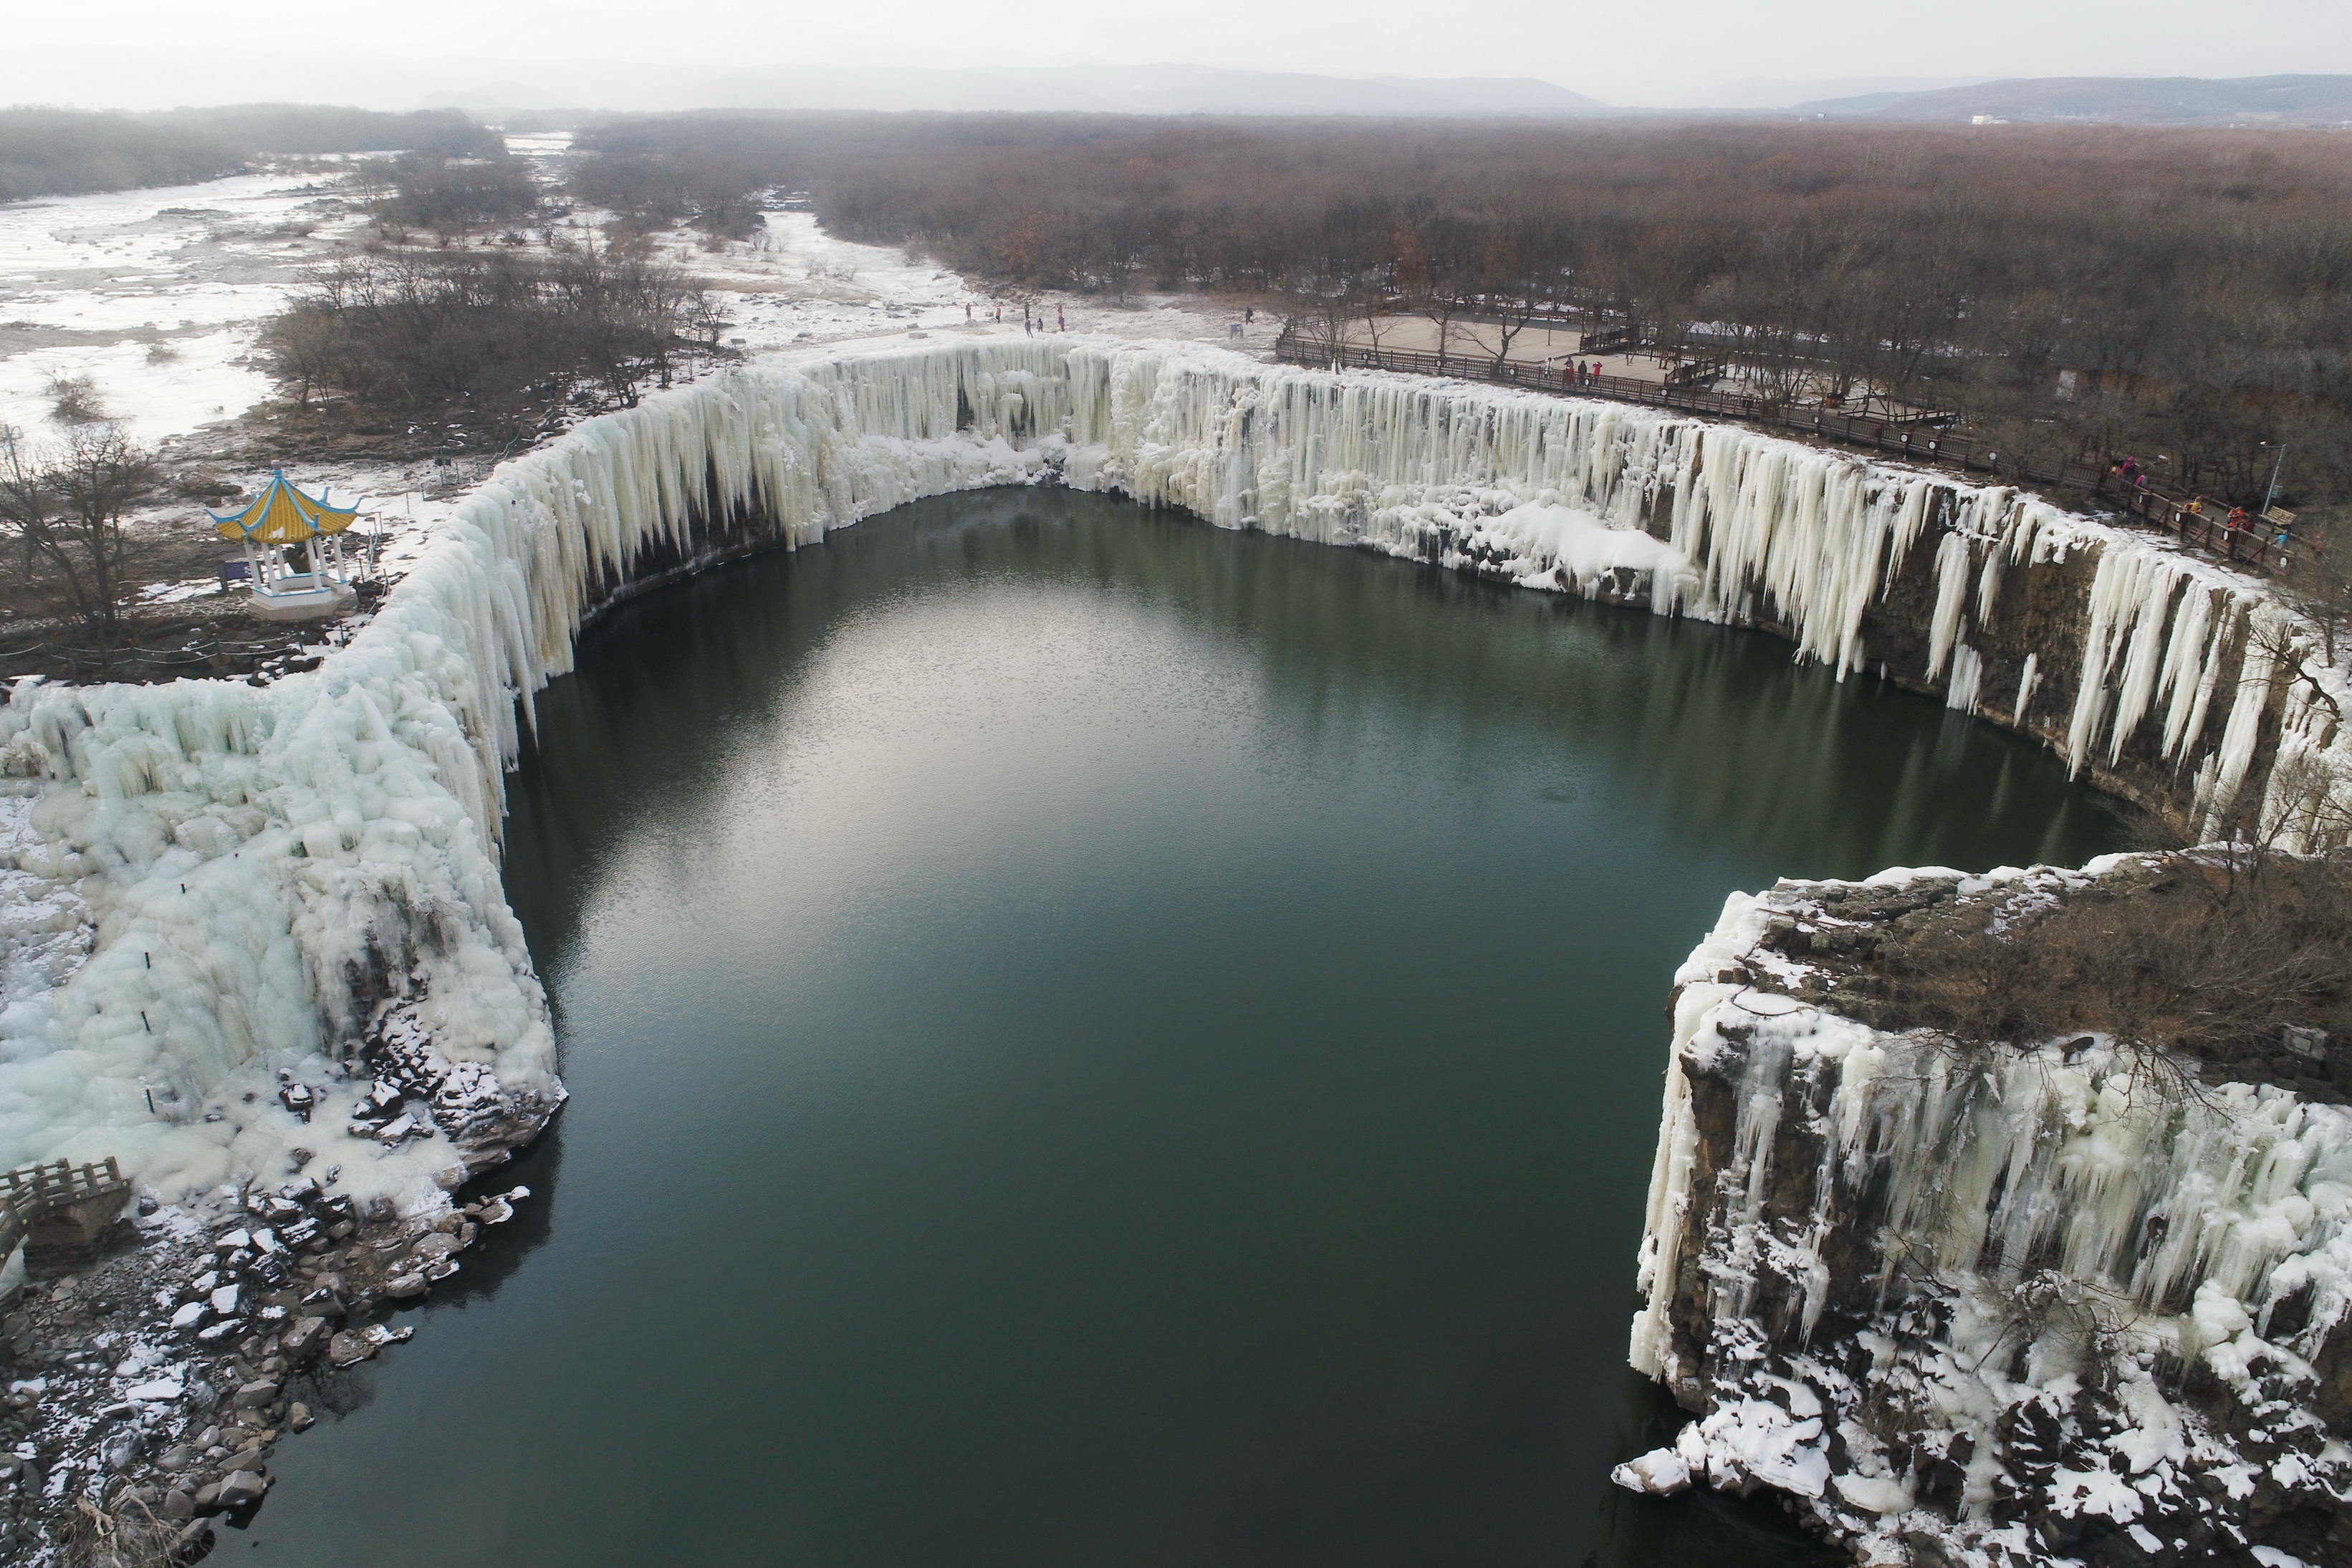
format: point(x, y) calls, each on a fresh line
point(2047, 1304)
point(219, 884)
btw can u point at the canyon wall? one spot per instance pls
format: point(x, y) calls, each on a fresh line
point(2075, 1299)
point(209, 881)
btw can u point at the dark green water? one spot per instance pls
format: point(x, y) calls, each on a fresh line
point(1099, 1041)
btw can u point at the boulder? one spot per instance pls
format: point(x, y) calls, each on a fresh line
point(349, 1347)
point(298, 1416)
point(176, 1505)
point(302, 1339)
point(1661, 1472)
point(254, 1394)
point(244, 1487)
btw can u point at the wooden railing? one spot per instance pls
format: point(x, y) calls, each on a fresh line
point(2254, 545)
point(1917, 437)
point(33, 1192)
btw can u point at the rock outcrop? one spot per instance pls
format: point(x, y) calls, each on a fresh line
point(2080, 1299)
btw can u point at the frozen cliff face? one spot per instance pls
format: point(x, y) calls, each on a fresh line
point(244, 880)
point(2167, 675)
point(2056, 1301)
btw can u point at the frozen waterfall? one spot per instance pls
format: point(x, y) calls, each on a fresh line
point(261, 867)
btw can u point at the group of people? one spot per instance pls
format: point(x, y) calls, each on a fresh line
point(2239, 523)
point(1581, 373)
point(1033, 325)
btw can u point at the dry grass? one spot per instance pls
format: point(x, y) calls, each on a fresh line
point(126, 1535)
point(2209, 958)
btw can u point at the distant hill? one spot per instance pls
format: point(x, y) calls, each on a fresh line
point(2130, 101)
point(1785, 92)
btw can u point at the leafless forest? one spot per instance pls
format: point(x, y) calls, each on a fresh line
point(2197, 283)
point(59, 151)
point(498, 339)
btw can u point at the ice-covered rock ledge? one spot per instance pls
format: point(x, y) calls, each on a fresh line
point(2057, 1301)
point(214, 894)
point(212, 883)
point(256, 873)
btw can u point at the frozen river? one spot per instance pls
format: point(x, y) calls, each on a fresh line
point(156, 299)
point(1101, 1042)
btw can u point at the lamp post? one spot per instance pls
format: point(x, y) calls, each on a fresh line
point(2272, 493)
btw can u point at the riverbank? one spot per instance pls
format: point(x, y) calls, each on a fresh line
point(150, 1386)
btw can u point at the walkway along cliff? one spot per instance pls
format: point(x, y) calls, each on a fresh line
point(211, 884)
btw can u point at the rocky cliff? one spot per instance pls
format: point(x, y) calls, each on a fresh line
point(1962, 1284)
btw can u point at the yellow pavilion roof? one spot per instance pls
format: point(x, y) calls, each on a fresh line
point(282, 515)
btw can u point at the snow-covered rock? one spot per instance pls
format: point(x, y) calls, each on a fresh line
point(2029, 1302)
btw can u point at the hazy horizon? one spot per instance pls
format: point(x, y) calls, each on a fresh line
point(1757, 53)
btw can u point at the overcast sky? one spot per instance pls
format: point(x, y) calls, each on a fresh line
point(1622, 51)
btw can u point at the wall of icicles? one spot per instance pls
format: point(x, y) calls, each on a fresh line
point(248, 866)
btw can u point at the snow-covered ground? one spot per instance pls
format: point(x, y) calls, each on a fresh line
point(155, 295)
point(156, 298)
point(795, 285)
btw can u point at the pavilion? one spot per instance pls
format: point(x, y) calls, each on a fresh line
point(282, 523)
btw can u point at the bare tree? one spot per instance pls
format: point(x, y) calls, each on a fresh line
point(2321, 584)
point(63, 509)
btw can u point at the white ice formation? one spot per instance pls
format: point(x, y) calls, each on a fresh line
point(258, 870)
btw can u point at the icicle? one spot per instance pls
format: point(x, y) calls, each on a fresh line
point(2184, 657)
point(2025, 683)
point(2257, 665)
point(2110, 586)
point(2224, 634)
point(2142, 661)
point(1951, 599)
point(1670, 1176)
point(1989, 584)
point(2308, 795)
point(1968, 671)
